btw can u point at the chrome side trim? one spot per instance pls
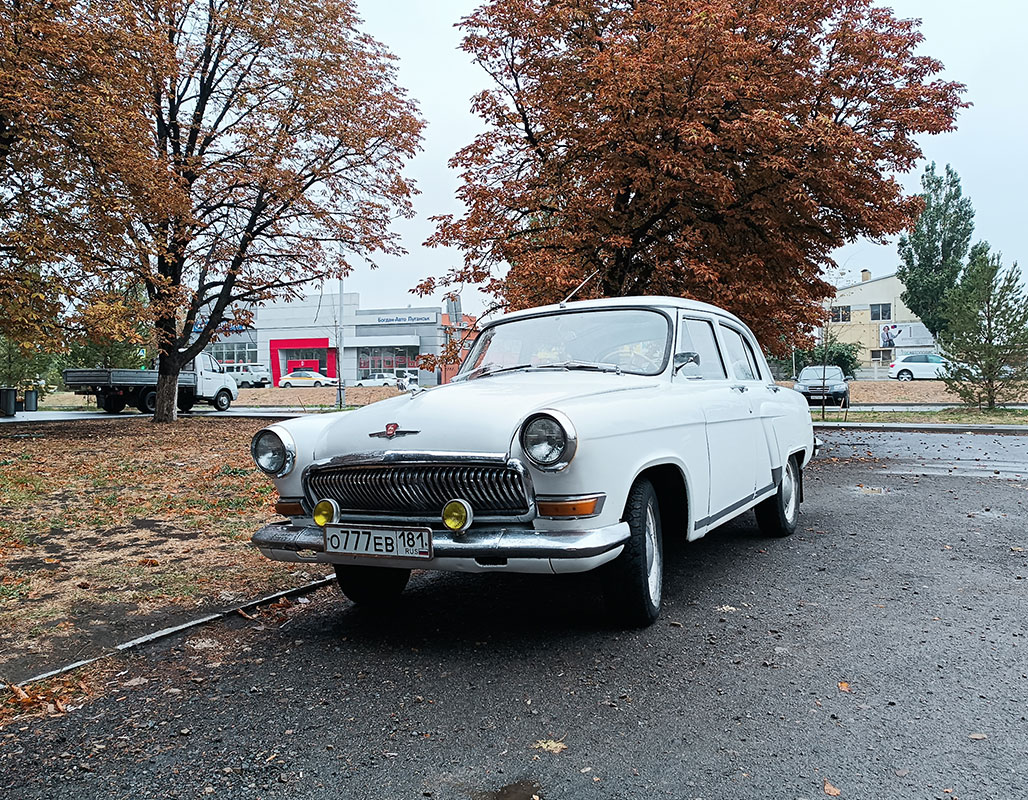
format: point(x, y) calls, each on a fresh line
point(484, 542)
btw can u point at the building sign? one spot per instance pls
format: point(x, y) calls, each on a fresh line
point(401, 319)
point(905, 334)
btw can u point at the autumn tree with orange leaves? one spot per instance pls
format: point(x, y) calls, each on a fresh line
point(714, 149)
point(282, 136)
point(73, 145)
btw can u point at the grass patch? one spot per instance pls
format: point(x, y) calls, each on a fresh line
point(103, 523)
point(947, 416)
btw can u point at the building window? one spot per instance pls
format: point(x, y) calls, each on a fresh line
point(840, 314)
point(881, 355)
point(399, 361)
point(234, 352)
point(881, 311)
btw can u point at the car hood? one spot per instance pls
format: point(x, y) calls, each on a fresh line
point(477, 416)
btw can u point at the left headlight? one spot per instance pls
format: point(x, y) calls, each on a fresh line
point(549, 440)
point(273, 451)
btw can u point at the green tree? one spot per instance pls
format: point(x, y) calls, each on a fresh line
point(986, 340)
point(23, 367)
point(934, 251)
point(832, 352)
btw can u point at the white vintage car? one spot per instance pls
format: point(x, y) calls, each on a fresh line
point(574, 437)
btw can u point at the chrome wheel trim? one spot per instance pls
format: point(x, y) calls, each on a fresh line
point(654, 566)
point(789, 494)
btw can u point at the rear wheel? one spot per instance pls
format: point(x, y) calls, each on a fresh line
point(285, 384)
point(777, 515)
point(222, 400)
point(373, 587)
point(111, 403)
point(905, 375)
point(147, 401)
point(634, 581)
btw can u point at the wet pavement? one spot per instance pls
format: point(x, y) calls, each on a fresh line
point(879, 651)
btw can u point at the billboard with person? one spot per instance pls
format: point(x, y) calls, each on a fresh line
point(905, 334)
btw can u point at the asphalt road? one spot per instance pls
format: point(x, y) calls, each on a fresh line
point(879, 651)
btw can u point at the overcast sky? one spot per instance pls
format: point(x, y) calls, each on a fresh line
point(981, 44)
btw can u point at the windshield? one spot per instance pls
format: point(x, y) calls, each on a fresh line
point(614, 340)
point(814, 374)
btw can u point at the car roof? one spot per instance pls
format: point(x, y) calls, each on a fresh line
point(641, 301)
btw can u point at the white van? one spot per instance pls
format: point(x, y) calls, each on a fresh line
point(249, 375)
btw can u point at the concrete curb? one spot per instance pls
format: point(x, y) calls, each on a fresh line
point(185, 626)
point(924, 427)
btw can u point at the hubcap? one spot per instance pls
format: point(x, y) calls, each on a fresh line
point(654, 566)
point(789, 491)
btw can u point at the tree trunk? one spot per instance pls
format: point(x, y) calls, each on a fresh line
point(168, 369)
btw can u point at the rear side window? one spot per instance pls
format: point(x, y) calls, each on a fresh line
point(697, 336)
point(740, 355)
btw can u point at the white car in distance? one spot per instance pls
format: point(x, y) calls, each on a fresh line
point(305, 377)
point(925, 366)
point(574, 437)
point(381, 379)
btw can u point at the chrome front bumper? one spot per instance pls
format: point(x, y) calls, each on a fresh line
point(285, 542)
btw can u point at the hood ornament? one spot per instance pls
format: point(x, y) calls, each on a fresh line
point(392, 430)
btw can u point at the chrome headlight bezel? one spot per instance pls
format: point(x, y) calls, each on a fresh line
point(570, 440)
point(288, 447)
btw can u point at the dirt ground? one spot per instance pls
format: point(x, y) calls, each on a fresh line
point(263, 398)
point(111, 529)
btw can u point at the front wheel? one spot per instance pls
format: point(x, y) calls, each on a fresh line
point(222, 400)
point(373, 587)
point(777, 515)
point(634, 581)
point(905, 375)
point(317, 384)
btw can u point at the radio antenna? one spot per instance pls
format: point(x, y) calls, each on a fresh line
point(578, 288)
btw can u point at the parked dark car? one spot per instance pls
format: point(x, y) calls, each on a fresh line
point(824, 385)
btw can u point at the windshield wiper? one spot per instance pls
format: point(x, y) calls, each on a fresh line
point(489, 369)
point(595, 366)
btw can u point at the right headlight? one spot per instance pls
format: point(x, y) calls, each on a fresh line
point(273, 451)
point(549, 440)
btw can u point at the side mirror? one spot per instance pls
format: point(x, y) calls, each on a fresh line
point(686, 358)
point(849, 378)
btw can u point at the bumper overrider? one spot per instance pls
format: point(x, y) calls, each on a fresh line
point(480, 548)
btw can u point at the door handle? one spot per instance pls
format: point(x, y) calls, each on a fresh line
point(740, 389)
point(774, 387)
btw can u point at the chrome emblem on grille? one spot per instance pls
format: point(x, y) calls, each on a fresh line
point(392, 430)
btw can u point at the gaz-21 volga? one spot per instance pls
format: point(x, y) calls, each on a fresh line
point(574, 437)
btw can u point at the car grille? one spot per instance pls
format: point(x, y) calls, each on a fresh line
point(420, 489)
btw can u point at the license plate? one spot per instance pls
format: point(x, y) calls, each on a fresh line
point(373, 541)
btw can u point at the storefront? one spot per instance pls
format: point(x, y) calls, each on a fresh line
point(329, 332)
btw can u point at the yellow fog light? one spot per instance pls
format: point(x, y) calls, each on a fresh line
point(457, 515)
point(325, 512)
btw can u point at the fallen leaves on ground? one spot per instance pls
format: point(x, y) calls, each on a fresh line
point(103, 522)
point(844, 686)
point(550, 746)
point(832, 791)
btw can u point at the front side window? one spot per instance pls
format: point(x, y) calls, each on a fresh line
point(623, 339)
point(697, 336)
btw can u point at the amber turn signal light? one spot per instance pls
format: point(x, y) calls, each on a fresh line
point(289, 508)
point(582, 507)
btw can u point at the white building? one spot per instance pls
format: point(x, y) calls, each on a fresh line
point(308, 333)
